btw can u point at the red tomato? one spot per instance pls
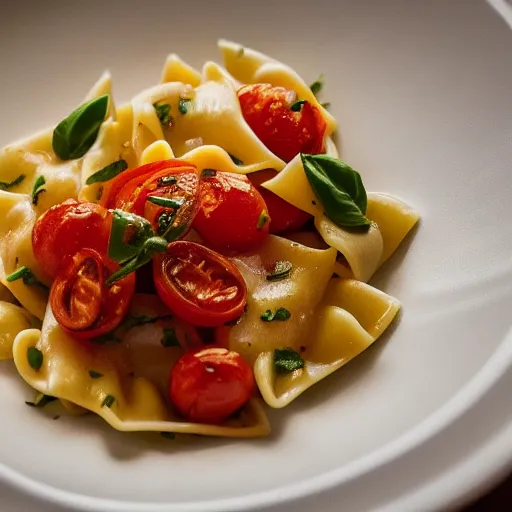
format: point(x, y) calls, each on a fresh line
point(145, 190)
point(66, 228)
point(199, 285)
point(210, 384)
point(81, 302)
point(285, 216)
point(232, 214)
point(284, 131)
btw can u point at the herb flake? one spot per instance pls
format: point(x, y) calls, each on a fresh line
point(40, 400)
point(208, 173)
point(287, 360)
point(235, 160)
point(27, 276)
point(95, 375)
point(108, 173)
point(108, 401)
point(167, 202)
point(6, 185)
point(169, 338)
point(184, 105)
point(282, 270)
point(280, 315)
point(163, 111)
point(297, 106)
point(38, 189)
point(262, 220)
point(35, 358)
point(317, 85)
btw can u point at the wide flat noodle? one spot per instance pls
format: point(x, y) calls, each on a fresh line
point(213, 117)
point(351, 317)
point(176, 70)
point(135, 372)
point(13, 320)
point(252, 67)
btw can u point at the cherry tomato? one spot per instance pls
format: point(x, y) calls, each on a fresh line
point(232, 214)
point(81, 302)
point(66, 228)
point(210, 384)
point(285, 216)
point(284, 131)
point(166, 193)
point(199, 285)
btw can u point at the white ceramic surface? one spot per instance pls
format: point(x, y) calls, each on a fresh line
point(423, 94)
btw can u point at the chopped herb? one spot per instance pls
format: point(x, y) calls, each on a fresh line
point(99, 193)
point(164, 221)
point(297, 106)
point(281, 314)
point(75, 135)
point(95, 375)
point(262, 219)
point(313, 203)
point(169, 338)
point(339, 189)
point(108, 173)
point(163, 111)
point(282, 270)
point(27, 276)
point(287, 360)
point(236, 160)
point(107, 338)
point(38, 189)
point(317, 85)
point(35, 358)
point(168, 435)
point(208, 173)
point(167, 202)
point(326, 105)
point(167, 181)
point(108, 401)
point(6, 185)
point(241, 52)
point(40, 400)
point(184, 105)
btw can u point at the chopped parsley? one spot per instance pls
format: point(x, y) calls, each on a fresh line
point(6, 185)
point(35, 358)
point(297, 106)
point(280, 315)
point(282, 270)
point(163, 111)
point(287, 360)
point(108, 401)
point(38, 189)
point(184, 105)
point(27, 276)
point(169, 338)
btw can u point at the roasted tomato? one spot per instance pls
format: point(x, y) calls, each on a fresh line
point(285, 126)
point(210, 384)
point(199, 285)
point(166, 193)
point(232, 214)
point(81, 302)
point(66, 228)
point(285, 216)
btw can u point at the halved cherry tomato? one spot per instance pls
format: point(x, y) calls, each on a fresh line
point(66, 228)
point(284, 131)
point(81, 302)
point(146, 189)
point(285, 216)
point(232, 214)
point(210, 384)
point(199, 285)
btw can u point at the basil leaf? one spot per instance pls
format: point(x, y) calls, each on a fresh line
point(339, 188)
point(262, 220)
point(108, 173)
point(128, 234)
point(40, 400)
point(163, 111)
point(75, 135)
point(151, 247)
point(282, 270)
point(297, 106)
point(317, 85)
point(108, 401)
point(167, 202)
point(6, 185)
point(95, 375)
point(184, 105)
point(35, 358)
point(236, 160)
point(287, 360)
point(169, 338)
point(38, 189)
point(281, 315)
point(27, 276)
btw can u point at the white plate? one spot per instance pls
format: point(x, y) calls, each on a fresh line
point(423, 94)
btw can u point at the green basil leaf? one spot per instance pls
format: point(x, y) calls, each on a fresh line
point(262, 220)
point(151, 247)
point(6, 185)
point(27, 276)
point(169, 338)
point(167, 202)
point(163, 111)
point(282, 270)
point(38, 189)
point(339, 188)
point(297, 106)
point(184, 105)
point(128, 234)
point(75, 135)
point(317, 85)
point(287, 360)
point(280, 315)
point(35, 358)
point(108, 401)
point(108, 173)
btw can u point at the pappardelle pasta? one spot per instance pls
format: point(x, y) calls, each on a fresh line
point(176, 263)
